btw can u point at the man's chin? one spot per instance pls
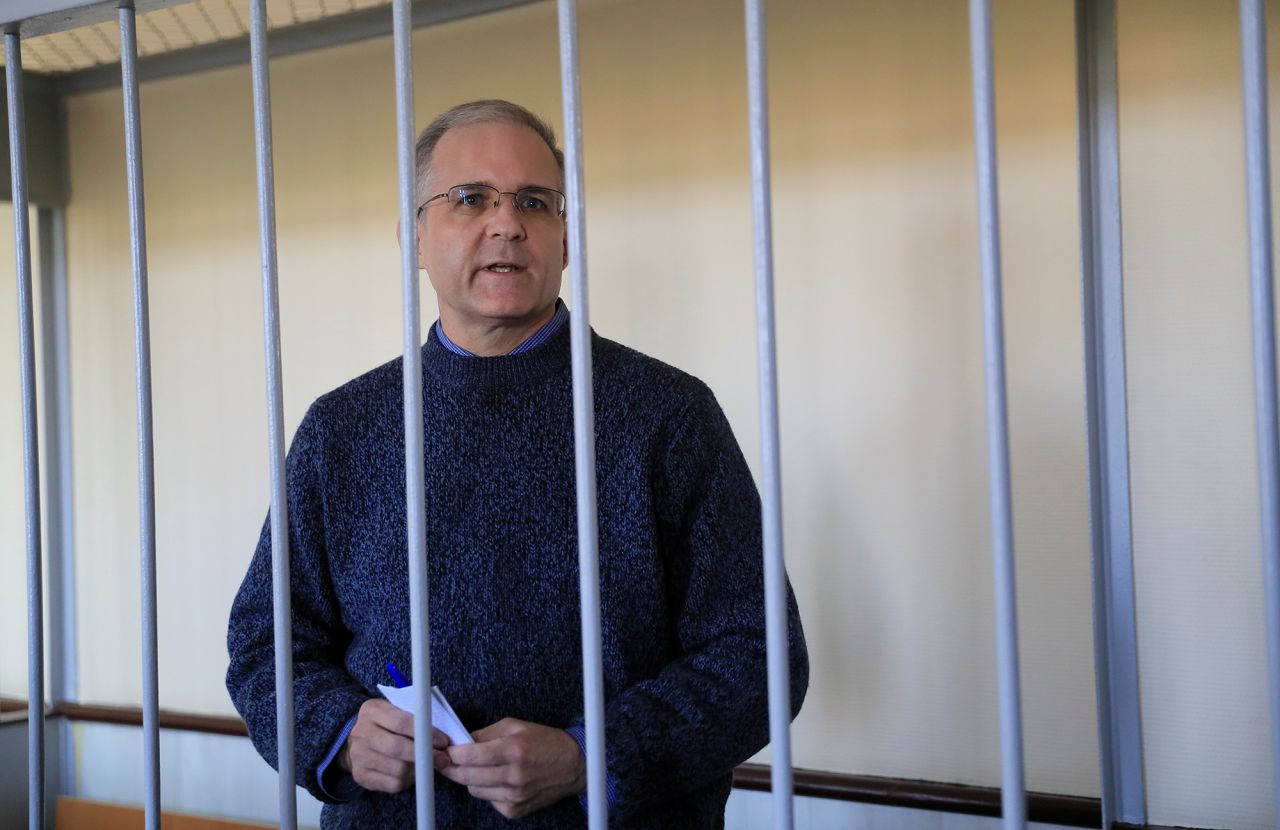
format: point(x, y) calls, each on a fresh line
point(516, 313)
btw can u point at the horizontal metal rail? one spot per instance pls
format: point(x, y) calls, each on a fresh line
point(301, 37)
point(43, 17)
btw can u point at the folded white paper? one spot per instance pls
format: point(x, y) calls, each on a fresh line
point(442, 715)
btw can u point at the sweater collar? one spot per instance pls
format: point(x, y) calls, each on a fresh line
point(543, 354)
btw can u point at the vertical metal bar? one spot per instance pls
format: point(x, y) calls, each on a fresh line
point(30, 435)
point(775, 588)
point(1115, 619)
point(51, 235)
point(584, 430)
point(1253, 40)
point(281, 601)
point(415, 473)
point(1013, 796)
point(146, 446)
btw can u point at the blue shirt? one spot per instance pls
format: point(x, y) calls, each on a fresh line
point(535, 340)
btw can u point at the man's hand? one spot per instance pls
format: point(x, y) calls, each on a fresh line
point(379, 751)
point(518, 767)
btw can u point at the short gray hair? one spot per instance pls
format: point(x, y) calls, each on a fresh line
point(488, 111)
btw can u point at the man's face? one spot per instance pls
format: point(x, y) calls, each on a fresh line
point(502, 267)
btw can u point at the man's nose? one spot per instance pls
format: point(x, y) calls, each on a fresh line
point(504, 220)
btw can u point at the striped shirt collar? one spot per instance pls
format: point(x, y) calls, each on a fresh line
point(535, 340)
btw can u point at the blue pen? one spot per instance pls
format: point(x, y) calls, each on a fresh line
point(396, 677)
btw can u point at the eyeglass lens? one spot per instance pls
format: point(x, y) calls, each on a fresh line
point(475, 199)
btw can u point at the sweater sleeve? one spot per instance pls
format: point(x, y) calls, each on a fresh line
point(325, 696)
point(706, 711)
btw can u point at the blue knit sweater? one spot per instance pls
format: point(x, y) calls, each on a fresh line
point(681, 578)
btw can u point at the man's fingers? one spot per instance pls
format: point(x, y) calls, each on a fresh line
point(379, 750)
point(381, 782)
point(518, 767)
point(383, 743)
point(383, 769)
point(480, 776)
point(384, 714)
point(488, 753)
point(362, 759)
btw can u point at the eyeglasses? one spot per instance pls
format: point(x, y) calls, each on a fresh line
point(473, 200)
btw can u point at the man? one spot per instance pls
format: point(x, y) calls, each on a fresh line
point(679, 521)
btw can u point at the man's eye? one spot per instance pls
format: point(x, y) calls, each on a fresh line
point(533, 204)
point(469, 198)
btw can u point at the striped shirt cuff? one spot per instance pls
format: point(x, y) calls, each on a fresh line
point(579, 734)
point(340, 786)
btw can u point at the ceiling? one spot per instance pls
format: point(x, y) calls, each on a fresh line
point(170, 29)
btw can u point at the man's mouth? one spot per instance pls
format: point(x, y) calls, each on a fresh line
point(503, 267)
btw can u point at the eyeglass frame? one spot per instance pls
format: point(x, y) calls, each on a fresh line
point(501, 193)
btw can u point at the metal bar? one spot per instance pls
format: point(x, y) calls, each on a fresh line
point(30, 434)
point(775, 586)
point(146, 446)
point(584, 429)
point(1013, 795)
point(56, 372)
point(42, 17)
point(301, 37)
point(415, 473)
point(51, 235)
point(1115, 619)
point(281, 600)
point(1253, 41)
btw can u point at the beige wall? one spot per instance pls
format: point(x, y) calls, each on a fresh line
point(13, 590)
point(13, 522)
point(880, 349)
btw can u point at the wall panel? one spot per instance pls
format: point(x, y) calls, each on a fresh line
point(1196, 529)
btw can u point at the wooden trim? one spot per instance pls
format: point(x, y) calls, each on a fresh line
point(83, 814)
point(132, 716)
point(13, 704)
point(1069, 810)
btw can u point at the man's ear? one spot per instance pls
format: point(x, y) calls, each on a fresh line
point(566, 249)
point(400, 241)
